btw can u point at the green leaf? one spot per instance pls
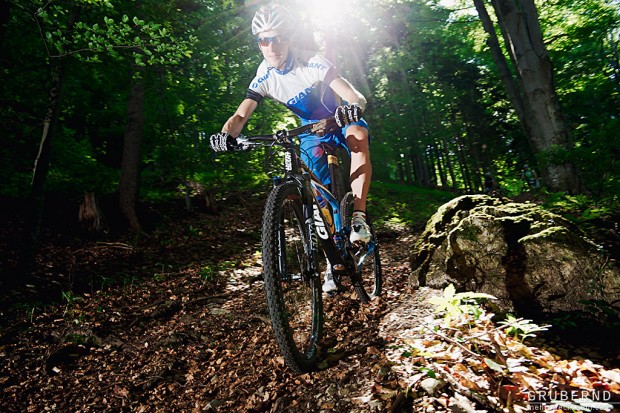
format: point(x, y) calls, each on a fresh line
point(494, 366)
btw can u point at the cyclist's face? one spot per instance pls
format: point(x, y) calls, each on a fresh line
point(274, 47)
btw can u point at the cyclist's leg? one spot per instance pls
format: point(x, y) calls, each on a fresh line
point(313, 155)
point(357, 139)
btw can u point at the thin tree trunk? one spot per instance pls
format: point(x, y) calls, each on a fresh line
point(409, 176)
point(432, 169)
point(34, 215)
point(420, 169)
point(401, 170)
point(460, 156)
point(448, 162)
point(130, 168)
point(440, 166)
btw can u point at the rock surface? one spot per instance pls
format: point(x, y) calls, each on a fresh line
point(532, 260)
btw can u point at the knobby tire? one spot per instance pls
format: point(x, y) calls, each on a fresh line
point(294, 296)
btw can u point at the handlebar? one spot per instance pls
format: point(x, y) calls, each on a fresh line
point(283, 137)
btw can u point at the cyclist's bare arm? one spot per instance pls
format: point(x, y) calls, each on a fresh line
point(234, 125)
point(346, 91)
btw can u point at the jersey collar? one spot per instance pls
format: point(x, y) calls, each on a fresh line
point(288, 65)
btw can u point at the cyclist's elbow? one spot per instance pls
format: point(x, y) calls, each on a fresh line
point(235, 124)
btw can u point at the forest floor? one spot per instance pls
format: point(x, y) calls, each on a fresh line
point(176, 321)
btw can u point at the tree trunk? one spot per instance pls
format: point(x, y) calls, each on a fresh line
point(34, 214)
point(89, 215)
point(420, 169)
point(443, 179)
point(448, 162)
point(409, 176)
point(534, 100)
point(401, 170)
point(130, 167)
point(432, 169)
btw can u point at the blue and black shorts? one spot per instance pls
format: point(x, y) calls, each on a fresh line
point(313, 155)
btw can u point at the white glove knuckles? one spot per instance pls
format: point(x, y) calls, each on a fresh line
point(218, 142)
point(347, 114)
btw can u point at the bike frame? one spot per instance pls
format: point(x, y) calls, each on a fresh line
point(333, 244)
point(315, 221)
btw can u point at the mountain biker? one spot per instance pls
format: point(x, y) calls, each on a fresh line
point(530, 177)
point(310, 86)
point(490, 185)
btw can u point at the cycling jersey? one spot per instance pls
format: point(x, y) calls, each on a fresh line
point(303, 87)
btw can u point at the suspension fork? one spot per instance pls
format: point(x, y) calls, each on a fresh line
point(333, 163)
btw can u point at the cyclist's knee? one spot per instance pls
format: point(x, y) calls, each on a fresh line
point(357, 138)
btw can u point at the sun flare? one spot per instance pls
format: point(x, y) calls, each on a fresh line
point(326, 13)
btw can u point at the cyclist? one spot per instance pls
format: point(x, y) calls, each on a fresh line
point(310, 86)
point(490, 185)
point(530, 177)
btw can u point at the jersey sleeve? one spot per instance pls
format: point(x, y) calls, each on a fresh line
point(257, 89)
point(323, 70)
point(255, 96)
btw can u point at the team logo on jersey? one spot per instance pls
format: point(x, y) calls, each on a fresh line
point(300, 97)
point(316, 66)
point(261, 80)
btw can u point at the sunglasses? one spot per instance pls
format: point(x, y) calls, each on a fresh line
point(265, 41)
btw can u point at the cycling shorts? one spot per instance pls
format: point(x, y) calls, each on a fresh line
point(313, 155)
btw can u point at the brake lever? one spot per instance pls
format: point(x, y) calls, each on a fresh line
point(324, 126)
point(244, 144)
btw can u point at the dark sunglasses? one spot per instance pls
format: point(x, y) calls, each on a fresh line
point(265, 41)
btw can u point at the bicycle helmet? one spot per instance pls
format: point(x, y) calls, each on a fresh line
point(269, 18)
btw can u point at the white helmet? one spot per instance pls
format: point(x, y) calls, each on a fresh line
point(269, 18)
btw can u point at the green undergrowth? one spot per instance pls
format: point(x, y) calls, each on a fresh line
point(399, 205)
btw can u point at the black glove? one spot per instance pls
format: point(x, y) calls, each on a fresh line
point(222, 142)
point(347, 114)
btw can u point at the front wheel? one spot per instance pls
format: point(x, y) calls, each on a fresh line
point(368, 280)
point(293, 293)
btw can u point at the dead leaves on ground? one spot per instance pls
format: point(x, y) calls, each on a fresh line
point(450, 362)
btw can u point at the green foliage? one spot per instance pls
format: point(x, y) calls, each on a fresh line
point(145, 42)
point(404, 205)
point(603, 312)
point(434, 95)
point(70, 300)
point(454, 304)
point(583, 209)
point(519, 327)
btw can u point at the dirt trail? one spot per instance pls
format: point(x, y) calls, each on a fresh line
point(198, 340)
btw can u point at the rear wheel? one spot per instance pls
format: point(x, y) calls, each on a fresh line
point(369, 279)
point(293, 294)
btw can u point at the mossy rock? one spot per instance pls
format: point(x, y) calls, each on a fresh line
point(532, 260)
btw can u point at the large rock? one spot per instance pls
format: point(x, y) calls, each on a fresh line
point(532, 260)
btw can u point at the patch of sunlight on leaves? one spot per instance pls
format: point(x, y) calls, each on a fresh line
point(519, 327)
point(455, 304)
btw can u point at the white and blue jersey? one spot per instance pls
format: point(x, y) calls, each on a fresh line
point(303, 87)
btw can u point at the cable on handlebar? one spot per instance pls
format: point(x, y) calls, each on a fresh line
point(320, 128)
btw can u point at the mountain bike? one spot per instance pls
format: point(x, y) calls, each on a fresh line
point(306, 232)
